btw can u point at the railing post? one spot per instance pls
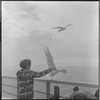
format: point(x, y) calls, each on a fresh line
point(48, 89)
point(56, 92)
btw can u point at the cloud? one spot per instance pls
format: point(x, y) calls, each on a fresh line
point(29, 10)
point(22, 9)
point(21, 19)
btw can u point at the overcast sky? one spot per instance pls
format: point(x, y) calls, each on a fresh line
point(27, 27)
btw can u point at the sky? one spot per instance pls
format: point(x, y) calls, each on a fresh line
point(27, 28)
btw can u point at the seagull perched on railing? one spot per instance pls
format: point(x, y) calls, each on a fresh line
point(51, 64)
point(62, 28)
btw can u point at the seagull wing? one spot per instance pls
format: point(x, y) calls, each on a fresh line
point(49, 58)
point(69, 25)
point(56, 27)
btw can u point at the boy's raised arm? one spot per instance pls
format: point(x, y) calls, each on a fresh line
point(42, 73)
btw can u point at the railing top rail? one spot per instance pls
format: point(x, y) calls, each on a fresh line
point(9, 77)
point(69, 83)
point(61, 82)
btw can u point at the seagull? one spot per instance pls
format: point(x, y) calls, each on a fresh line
point(51, 64)
point(62, 28)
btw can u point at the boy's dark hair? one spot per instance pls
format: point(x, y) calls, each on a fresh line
point(25, 63)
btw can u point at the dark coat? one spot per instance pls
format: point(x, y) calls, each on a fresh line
point(25, 79)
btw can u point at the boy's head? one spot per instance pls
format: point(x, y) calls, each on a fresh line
point(25, 64)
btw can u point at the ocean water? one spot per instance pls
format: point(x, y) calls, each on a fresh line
point(78, 74)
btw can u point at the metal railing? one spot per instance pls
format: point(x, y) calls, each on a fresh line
point(46, 87)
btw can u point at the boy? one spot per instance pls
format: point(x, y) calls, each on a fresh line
point(25, 78)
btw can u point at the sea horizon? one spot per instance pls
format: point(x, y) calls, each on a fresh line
point(77, 74)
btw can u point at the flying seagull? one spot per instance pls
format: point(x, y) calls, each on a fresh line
point(62, 28)
point(51, 64)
